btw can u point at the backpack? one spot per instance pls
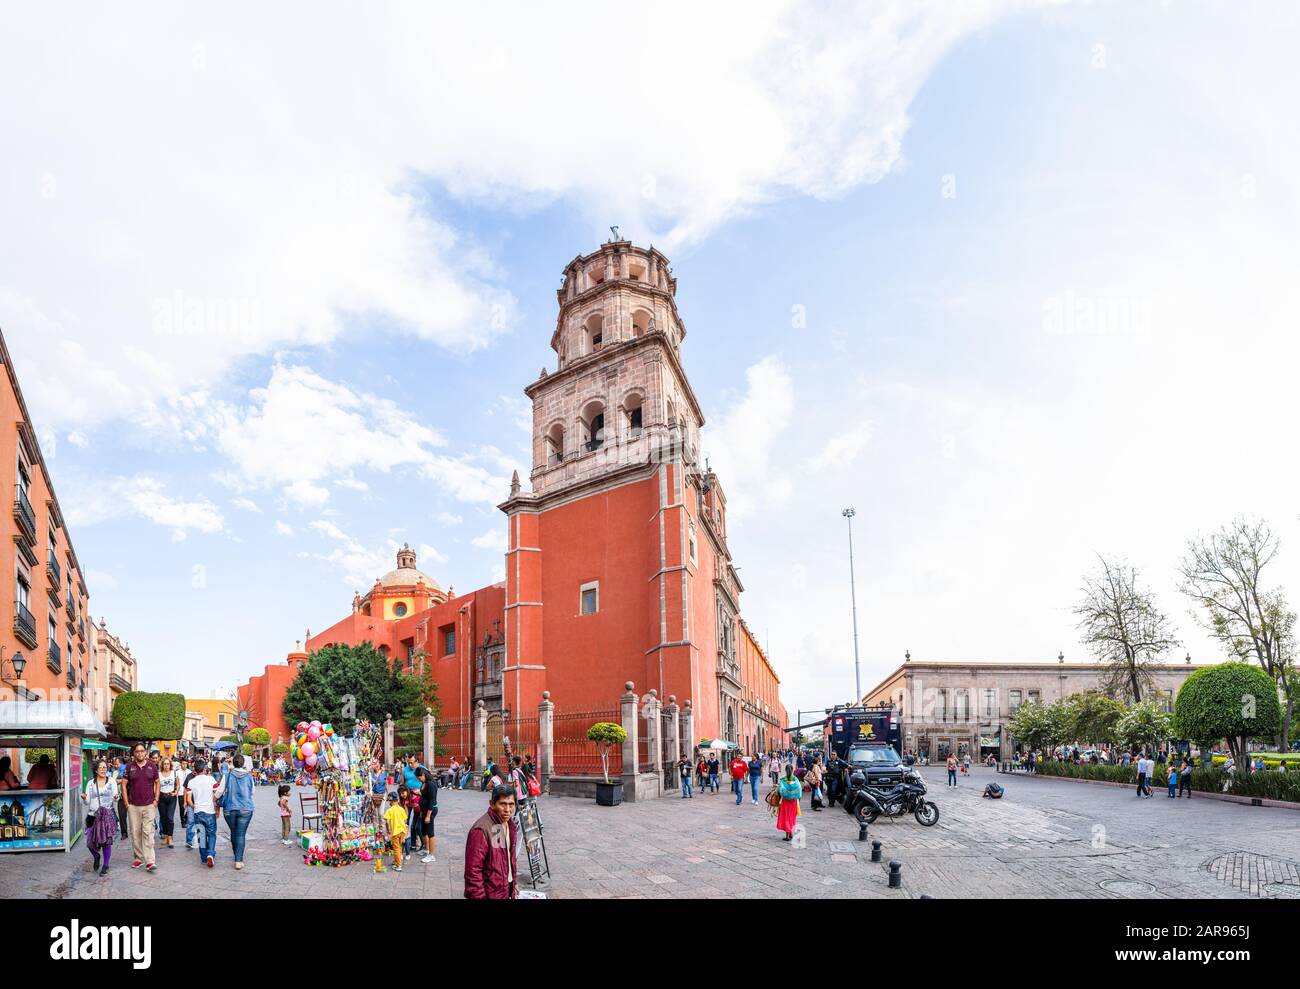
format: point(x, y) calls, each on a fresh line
point(993, 791)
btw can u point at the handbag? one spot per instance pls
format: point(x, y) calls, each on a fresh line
point(534, 788)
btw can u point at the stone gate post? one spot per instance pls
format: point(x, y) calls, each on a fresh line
point(389, 755)
point(675, 726)
point(480, 737)
point(688, 729)
point(545, 739)
point(430, 748)
point(654, 745)
point(629, 716)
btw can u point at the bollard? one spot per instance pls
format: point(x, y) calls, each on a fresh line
point(875, 852)
point(862, 831)
point(926, 896)
point(895, 875)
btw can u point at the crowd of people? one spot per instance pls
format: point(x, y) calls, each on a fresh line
point(145, 795)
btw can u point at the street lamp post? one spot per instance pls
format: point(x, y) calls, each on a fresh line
point(848, 513)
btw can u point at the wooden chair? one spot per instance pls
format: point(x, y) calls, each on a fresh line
point(310, 806)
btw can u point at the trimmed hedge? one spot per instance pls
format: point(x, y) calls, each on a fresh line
point(1268, 785)
point(145, 717)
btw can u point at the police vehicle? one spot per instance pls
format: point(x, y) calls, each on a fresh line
point(868, 739)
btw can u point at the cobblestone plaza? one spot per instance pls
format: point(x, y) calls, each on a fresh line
point(1046, 838)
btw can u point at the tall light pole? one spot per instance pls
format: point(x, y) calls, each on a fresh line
point(848, 513)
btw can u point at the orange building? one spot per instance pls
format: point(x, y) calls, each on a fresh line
point(44, 628)
point(617, 566)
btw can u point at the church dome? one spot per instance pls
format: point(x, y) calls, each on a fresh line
point(407, 574)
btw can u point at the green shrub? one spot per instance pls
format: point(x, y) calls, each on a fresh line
point(258, 736)
point(141, 716)
point(33, 755)
point(1268, 785)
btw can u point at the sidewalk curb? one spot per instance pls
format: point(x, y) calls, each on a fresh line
point(1232, 798)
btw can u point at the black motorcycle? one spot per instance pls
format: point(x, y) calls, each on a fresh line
point(906, 797)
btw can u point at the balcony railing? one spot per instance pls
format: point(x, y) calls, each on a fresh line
point(24, 624)
point(53, 658)
point(81, 627)
point(119, 682)
point(53, 570)
point(72, 606)
point(23, 514)
point(72, 676)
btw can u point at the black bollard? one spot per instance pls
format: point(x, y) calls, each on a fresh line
point(862, 831)
point(875, 852)
point(895, 875)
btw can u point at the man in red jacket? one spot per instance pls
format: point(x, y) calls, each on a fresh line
point(490, 872)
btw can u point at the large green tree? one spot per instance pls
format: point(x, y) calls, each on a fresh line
point(1232, 701)
point(1091, 717)
point(1143, 726)
point(340, 684)
point(1037, 726)
point(1223, 575)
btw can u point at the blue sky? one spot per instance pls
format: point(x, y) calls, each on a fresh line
point(1012, 280)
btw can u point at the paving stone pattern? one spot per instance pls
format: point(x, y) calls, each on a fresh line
point(1046, 837)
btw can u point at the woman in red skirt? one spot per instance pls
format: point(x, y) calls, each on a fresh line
point(787, 815)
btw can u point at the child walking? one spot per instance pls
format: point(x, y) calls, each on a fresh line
point(395, 818)
point(286, 815)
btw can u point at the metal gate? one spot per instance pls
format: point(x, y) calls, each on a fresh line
point(495, 747)
point(668, 756)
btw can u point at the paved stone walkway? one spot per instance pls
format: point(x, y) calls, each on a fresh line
point(1047, 837)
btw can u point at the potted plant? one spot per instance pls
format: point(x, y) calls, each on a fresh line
point(606, 734)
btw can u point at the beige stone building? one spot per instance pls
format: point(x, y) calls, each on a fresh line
point(963, 707)
point(113, 671)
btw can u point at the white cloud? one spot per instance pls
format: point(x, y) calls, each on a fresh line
point(246, 225)
point(283, 528)
point(842, 450)
point(428, 554)
point(448, 519)
point(493, 539)
point(78, 439)
point(329, 529)
point(247, 504)
point(98, 580)
point(145, 497)
point(740, 444)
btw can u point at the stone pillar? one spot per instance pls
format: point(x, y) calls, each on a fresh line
point(430, 746)
point(687, 721)
point(389, 755)
point(675, 725)
point(654, 738)
point(629, 717)
point(480, 737)
point(545, 740)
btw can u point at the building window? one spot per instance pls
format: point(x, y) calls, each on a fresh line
point(589, 598)
point(221, 721)
point(1035, 697)
point(399, 609)
point(941, 705)
point(1013, 701)
point(449, 641)
point(990, 703)
point(691, 538)
point(24, 592)
point(963, 704)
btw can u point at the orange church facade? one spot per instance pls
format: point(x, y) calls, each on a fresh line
point(617, 564)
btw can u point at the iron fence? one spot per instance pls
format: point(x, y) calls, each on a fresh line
point(574, 754)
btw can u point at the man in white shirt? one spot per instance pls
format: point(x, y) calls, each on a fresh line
point(200, 796)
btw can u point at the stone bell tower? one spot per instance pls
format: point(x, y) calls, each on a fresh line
point(614, 560)
point(618, 395)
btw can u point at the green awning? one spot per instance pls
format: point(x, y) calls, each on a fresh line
point(93, 743)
